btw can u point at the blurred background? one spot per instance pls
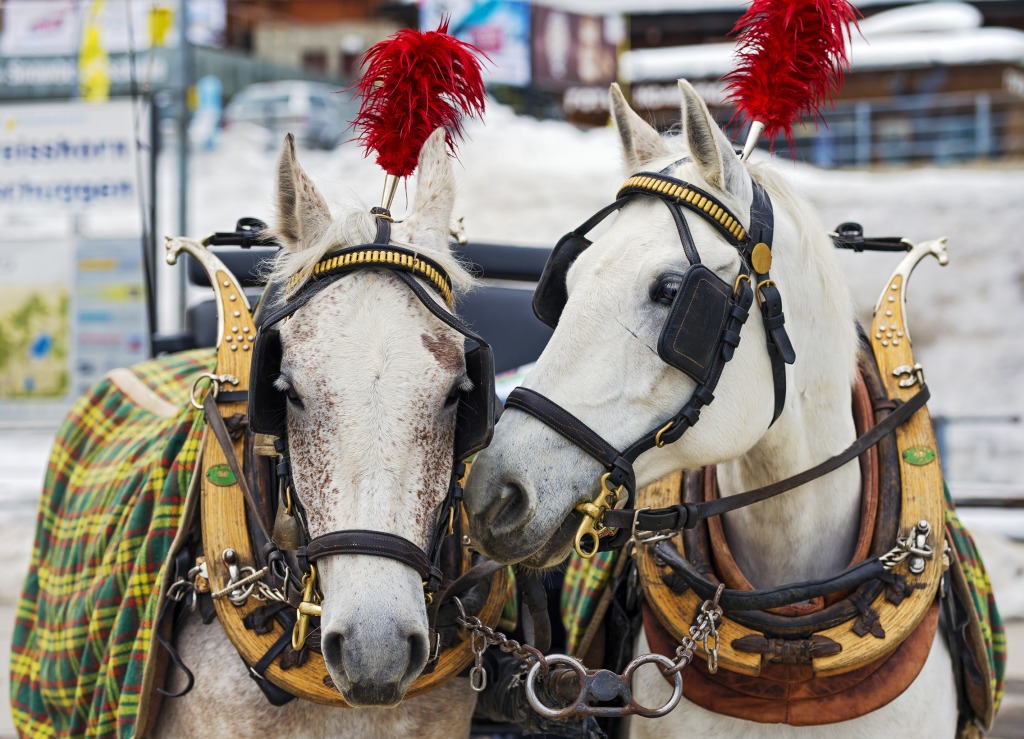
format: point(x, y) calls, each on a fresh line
point(122, 121)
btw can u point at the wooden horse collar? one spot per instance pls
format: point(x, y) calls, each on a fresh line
point(231, 565)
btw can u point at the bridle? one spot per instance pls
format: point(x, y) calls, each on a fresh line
point(474, 423)
point(699, 337)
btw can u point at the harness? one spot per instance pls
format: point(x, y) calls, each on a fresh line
point(699, 338)
point(474, 418)
point(259, 579)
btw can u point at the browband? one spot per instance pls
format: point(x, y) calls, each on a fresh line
point(393, 257)
point(688, 196)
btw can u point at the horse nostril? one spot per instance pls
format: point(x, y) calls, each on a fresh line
point(417, 655)
point(332, 648)
point(511, 498)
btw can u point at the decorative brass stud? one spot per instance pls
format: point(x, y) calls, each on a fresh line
point(232, 297)
point(761, 258)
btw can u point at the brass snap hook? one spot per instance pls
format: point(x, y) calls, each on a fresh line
point(307, 607)
point(588, 534)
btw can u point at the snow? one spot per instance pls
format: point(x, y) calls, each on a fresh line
point(945, 33)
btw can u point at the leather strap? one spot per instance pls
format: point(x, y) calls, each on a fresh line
point(783, 595)
point(374, 543)
point(686, 515)
point(216, 423)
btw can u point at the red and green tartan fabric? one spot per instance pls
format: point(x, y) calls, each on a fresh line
point(115, 486)
point(985, 637)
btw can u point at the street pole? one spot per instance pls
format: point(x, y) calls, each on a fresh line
point(184, 81)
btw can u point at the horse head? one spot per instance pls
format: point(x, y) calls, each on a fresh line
point(372, 381)
point(606, 361)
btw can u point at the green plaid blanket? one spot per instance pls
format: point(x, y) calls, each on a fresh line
point(984, 635)
point(115, 486)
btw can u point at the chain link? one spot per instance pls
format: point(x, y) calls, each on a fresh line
point(704, 630)
point(483, 636)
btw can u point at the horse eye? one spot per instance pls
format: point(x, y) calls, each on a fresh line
point(283, 385)
point(462, 385)
point(666, 289)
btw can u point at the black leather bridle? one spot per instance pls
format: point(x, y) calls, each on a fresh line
point(474, 424)
point(699, 338)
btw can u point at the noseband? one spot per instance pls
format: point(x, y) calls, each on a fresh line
point(699, 337)
point(474, 424)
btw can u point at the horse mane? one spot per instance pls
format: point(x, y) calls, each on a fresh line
point(356, 226)
point(814, 254)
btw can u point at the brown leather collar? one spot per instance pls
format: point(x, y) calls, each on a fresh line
point(720, 555)
point(789, 693)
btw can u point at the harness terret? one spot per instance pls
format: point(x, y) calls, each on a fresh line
point(699, 337)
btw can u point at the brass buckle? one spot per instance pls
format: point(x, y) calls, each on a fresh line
point(591, 528)
point(658, 441)
point(760, 285)
point(307, 607)
point(739, 279)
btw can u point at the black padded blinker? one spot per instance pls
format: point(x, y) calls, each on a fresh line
point(551, 294)
point(474, 425)
point(691, 337)
point(268, 413)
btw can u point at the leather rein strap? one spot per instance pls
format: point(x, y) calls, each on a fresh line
point(688, 515)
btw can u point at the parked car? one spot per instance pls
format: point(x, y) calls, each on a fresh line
point(317, 114)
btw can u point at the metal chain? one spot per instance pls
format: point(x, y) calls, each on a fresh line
point(704, 630)
point(483, 636)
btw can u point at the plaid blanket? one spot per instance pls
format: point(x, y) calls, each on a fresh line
point(115, 485)
point(983, 634)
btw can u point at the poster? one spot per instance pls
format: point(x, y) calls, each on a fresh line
point(499, 28)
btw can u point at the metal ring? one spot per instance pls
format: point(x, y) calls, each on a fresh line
point(531, 686)
point(215, 382)
point(677, 684)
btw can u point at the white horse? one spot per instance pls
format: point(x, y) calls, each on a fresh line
point(372, 381)
point(602, 365)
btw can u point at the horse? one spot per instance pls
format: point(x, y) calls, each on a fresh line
point(372, 378)
point(604, 365)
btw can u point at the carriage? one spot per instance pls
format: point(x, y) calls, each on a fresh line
point(306, 484)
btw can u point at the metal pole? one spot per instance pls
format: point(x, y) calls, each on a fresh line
point(184, 81)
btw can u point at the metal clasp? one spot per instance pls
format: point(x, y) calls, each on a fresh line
point(913, 547)
point(215, 382)
point(308, 607)
point(911, 375)
point(591, 528)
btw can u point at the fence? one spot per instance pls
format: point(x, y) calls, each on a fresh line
point(939, 128)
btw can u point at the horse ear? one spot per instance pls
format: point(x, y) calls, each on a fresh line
point(302, 215)
point(641, 144)
point(709, 147)
point(434, 201)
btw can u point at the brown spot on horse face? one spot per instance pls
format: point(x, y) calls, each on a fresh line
point(447, 353)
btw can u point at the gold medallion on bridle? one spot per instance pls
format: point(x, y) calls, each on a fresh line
point(761, 258)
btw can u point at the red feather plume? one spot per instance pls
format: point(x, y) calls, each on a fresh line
point(414, 82)
point(792, 59)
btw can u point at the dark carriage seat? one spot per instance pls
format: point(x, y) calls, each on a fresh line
point(499, 309)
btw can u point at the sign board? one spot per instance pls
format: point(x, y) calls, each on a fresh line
point(499, 28)
point(68, 157)
point(72, 307)
point(33, 28)
point(572, 50)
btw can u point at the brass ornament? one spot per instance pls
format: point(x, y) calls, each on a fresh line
point(761, 258)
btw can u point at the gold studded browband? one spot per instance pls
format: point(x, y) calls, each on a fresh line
point(390, 257)
point(689, 196)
